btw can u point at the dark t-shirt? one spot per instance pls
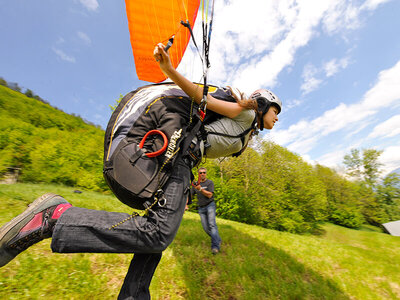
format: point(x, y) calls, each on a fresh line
point(202, 200)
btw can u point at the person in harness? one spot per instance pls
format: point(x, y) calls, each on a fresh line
point(242, 116)
point(151, 144)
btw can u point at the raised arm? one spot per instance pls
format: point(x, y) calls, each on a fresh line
point(228, 109)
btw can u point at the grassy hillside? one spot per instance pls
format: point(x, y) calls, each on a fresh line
point(48, 145)
point(255, 263)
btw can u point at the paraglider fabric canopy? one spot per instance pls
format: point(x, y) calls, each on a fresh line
point(156, 21)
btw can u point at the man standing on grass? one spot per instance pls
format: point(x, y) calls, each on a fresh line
point(204, 188)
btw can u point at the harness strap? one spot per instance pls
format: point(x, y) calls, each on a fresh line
point(241, 135)
point(191, 135)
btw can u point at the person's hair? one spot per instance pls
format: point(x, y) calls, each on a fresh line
point(246, 102)
point(202, 168)
point(242, 100)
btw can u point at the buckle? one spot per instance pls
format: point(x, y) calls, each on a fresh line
point(161, 200)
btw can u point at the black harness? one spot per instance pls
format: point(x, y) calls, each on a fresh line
point(134, 166)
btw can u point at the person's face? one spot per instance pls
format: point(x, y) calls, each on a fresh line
point(202, 174)
point(270, 117)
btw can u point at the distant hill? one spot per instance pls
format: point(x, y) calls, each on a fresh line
point(47, 144)
point(397, 171)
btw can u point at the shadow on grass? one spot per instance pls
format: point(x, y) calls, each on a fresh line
point(246, 268)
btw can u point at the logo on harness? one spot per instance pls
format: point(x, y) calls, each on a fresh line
point(172, 144)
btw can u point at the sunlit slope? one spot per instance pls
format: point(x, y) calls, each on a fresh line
point(255, 263)
point(47, 144)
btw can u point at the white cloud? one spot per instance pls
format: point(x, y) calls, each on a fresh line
point(304, 135)
point(390, 159)
point(90, 4)
point(313, 77)
point(254, 41)
point(386, 91)
point(84, 37)
point(63, 55)
point(389, 128)
point(310, 83)
point(342, 15)
point(333, 66)
point(308, 159)
point(293, 103)
point(332, 159)
point(250, 47)
point(373, 4)
point(265, 67)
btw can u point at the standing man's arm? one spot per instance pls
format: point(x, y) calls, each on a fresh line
point(206, 193)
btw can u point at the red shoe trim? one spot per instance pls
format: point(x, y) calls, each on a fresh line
point(60, 209)
point(33, 224)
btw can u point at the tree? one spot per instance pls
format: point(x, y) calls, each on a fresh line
point(388, 195)
point(343, 206)
point(117, 101)
point(353, 163)
point(365, 167)
point(29, 93)
point(371, 166)
point(3, 82)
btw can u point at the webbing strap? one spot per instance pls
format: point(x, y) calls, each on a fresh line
point(191, 135)
point(253, 126)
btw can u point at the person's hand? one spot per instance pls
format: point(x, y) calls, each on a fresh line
point(197, 187)
point(163, 59)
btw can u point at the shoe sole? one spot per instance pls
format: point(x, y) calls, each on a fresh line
point(12, 228)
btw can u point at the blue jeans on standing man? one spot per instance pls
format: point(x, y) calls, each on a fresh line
point(207, 215)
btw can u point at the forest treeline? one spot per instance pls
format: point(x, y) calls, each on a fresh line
point(267, 185)
point(275, 188)
point(48, 145)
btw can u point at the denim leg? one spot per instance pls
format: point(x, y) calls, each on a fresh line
point(137, 281)
point(204, 219)
point(212, 223)
point(207, 217)
point(86, 230)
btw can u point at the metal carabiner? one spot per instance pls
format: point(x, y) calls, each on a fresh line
point(161, 200)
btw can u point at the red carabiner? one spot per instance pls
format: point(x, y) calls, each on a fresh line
point(202, 115)
point(158, 152)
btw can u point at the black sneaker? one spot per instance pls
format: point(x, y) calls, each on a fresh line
point(31, 226)
point(214, 251)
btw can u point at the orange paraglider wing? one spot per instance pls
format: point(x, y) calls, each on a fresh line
point(156, 21)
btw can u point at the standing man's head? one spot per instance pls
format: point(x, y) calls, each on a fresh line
point(202, 174)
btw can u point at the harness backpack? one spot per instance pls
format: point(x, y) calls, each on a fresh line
point(144, 136)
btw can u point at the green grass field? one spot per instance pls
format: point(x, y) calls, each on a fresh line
point(255, 263)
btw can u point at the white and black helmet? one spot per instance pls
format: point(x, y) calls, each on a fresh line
point(263, 95)
point(265, 99)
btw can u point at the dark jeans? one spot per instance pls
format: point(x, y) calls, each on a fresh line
point(207, 217)
point(85, 230)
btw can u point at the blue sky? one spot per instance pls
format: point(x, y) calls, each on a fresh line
point(335, 64)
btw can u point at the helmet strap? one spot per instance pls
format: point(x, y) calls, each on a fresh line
point(260, 116)
point(263, 107)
